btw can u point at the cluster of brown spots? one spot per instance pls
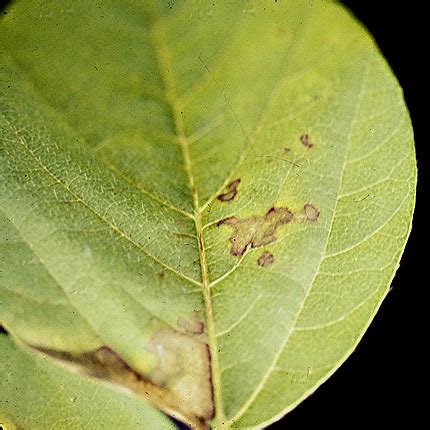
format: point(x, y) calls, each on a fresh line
point(311, 212)
point(231, 191)
point(256, 230)
point(304, 138)
point(265, 259)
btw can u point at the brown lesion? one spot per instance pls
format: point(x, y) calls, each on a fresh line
point(311, 213)
point(191, 325)
point(179, 383)
point(256, 231)
point(231, 191)
point(306, 141)
point(101, 363)
point(265, 259)
point(183, 367)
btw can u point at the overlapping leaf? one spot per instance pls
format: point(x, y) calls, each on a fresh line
point(36, 392)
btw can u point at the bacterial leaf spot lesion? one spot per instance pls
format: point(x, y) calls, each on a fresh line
point(256, 231)
point(231, 191)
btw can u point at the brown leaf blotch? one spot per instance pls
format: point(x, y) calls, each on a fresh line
point(231, 191)
point(265, 259)
point(106, 356)
point(256, 231)
point(183, 368)
point(179, 383)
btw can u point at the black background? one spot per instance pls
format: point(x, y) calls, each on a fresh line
point(377, 387)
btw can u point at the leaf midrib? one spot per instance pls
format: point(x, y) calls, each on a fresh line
point(165, 70)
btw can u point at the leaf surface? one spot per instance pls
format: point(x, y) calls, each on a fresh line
point(202, 203)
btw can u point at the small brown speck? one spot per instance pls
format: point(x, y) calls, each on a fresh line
point(304, 138)
point(265, 259)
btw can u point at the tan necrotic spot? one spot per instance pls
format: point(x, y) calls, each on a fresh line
point(308, 213)
point(311, 212)
point(183, 367)
point(265, 259)
point(256, 231)
point(231, 192)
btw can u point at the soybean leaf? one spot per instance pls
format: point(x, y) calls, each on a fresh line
point(202, 203)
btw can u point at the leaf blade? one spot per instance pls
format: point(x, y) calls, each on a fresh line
point(313, 144)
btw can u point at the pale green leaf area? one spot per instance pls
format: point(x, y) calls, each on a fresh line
point(201, 202)
point(37, 394)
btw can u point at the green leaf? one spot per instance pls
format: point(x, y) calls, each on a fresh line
point(202, 203)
